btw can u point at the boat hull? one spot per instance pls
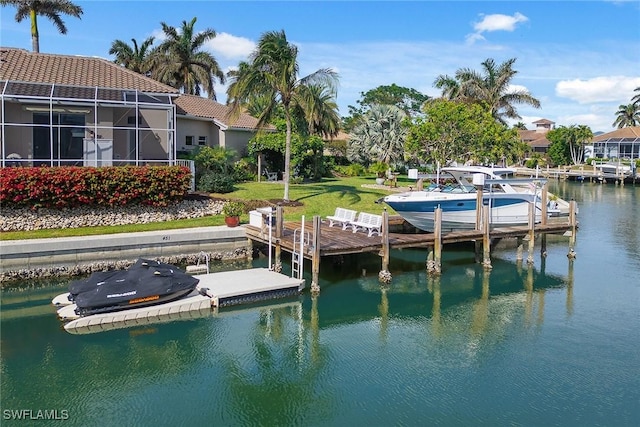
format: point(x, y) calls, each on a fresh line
point(460, 213)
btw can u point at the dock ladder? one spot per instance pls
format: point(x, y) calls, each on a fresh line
point(300, 239)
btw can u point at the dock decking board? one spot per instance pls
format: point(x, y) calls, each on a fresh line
point(335, 241)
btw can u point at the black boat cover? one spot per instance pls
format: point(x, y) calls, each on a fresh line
point(144, 283)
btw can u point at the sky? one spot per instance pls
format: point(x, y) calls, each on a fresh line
point(581, 59)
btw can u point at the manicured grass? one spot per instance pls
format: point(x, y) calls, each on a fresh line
point(319, 198)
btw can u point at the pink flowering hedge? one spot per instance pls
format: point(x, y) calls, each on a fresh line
point(70, 186)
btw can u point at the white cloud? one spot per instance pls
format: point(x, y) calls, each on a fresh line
point(495, 22)
point(231, 47)
point(499, 22)
point(598, 89)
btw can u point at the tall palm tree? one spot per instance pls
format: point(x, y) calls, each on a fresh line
point(272, 71)
point(379, 136)
point(491, 87)
point(51, 9)
point(133, 57)
point(627, 116)
point(182, 64)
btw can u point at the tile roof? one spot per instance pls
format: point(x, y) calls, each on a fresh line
point(534, 138)
point(22, 65)
point(198, 106)
point(626, 132)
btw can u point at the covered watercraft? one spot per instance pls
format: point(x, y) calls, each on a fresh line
point(145, 283)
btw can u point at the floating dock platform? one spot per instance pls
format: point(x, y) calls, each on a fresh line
point(214, 290)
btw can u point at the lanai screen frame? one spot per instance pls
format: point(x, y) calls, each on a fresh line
point(605, 147)
point(52, 97)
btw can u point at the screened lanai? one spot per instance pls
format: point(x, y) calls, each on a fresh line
point(44, 124)
point(617, 148)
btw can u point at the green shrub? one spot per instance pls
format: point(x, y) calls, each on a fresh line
point(214, 182)
point(233, 208)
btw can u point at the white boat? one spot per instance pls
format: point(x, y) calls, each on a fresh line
point(455, 193)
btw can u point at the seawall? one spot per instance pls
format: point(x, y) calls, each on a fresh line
point(68, 256)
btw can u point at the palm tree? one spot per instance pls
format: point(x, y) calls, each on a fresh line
point(133, 57)
point(627, 116)
point(636, 98)
point(490, 87)
point(179, 61)
point(51, 9)
point(449, 85)
point(272, 71)
point(317, 105)
point(380, 136)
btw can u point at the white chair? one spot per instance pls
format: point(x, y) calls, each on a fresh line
point(271, 176)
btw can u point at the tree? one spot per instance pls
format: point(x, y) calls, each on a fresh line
point(272, 72)
point(379, 137)
point(567, 144)
point(457, 131)
point(180, 62)
point(490, 87)
point(134, 58)
point(627, 116)
point(50, 9)
point(316, 105)
point(636, 98)
point(407, 99)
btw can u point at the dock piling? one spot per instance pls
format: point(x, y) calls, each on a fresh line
point(315, 259)
point(532, 223)
point(437, 247)
point(486, 240)
point(385, 276)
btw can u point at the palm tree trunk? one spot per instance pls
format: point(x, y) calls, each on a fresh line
point(35, 37)
point(287, 153)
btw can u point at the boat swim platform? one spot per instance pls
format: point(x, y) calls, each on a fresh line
point(336, 241)
point(214, 291)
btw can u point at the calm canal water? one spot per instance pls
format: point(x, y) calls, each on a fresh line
point(555, 344)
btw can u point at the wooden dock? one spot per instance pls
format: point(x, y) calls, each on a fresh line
point(335, 241)
point(321, 240)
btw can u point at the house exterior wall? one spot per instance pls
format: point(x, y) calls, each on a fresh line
point(195, 128)
point(236, 140)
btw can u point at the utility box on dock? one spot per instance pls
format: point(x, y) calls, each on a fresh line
point(260, 217)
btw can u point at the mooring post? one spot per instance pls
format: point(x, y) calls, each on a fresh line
point(543, 221)
point(279, 225)
point(532, 223)
point(519, 249)
point(572, 224)
point(430, 262)
point(315, 260)
point(479, 196)
point(437, 243)
point(385, 276)
point(544, 200)
point(486, 240)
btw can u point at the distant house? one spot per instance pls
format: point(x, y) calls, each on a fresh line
point(619, 144)
point(74, 110)
point(537, 139)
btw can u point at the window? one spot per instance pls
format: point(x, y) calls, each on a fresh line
point(188, 140)
point(202, 140)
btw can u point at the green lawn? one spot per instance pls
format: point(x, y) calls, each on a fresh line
point(319, 198)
